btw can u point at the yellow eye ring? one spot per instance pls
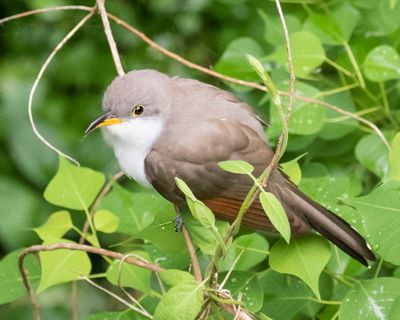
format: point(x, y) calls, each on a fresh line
point(137, 110)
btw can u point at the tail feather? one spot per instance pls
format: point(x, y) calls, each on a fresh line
point(332, 227)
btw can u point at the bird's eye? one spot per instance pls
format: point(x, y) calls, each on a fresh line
point(137, 110)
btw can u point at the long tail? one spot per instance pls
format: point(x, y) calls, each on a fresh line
point(327, 224)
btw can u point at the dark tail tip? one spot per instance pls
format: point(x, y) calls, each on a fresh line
point(361, 253)
point(332, 227)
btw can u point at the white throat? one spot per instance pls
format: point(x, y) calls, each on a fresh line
point(132, 141)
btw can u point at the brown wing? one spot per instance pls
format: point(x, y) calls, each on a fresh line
point(192, 154)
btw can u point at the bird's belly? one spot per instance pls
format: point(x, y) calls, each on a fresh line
point(131, 162)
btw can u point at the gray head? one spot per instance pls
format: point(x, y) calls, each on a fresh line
point(138, 94)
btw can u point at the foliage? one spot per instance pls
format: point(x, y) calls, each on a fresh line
point(345, 53)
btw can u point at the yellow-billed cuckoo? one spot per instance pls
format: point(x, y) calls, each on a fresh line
point(164, 127)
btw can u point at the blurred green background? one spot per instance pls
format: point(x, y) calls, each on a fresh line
point(69, 95)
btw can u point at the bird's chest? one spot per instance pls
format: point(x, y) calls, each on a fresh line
point(132, 142)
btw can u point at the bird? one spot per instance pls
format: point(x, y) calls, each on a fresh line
point(164, 127)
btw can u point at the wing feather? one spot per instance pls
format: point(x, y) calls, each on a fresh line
point(175, 155)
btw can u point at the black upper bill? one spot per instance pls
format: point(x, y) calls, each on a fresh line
point(97, 122)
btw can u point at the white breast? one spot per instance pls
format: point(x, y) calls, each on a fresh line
point(132, 141)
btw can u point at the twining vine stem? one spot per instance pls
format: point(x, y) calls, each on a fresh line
point(38, 78)
point(110, 38)
point(280, 149)
point(73, 246)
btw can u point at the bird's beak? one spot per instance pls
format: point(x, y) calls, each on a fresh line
point(105, 119)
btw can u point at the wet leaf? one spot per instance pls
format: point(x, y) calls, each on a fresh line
point(370, 299)
point(305, 57)
point(382, 63)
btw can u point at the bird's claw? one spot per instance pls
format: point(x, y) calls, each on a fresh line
point(178, 221)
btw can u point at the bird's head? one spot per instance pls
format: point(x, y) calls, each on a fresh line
point(131, 99)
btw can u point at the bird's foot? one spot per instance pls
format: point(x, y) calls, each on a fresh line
point(178, 221)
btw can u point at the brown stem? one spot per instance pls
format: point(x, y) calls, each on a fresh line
point(110, 38)
point(28, 287)
point(292, 94)
point(237, 313)
point(193, 256)
point(73, 246)
point(38, 78)
point(74, 301)
point(96, 203)
point(44, 10)
point(85, 229)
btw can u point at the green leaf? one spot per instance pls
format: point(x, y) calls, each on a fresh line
point(382, 63)
point(306, 119)
point(58, 224)
point(203, 214)
point(384, 19)
point(135, 210)
point(12, 287)
point(236, 166)
point(305, 57)
point(182, 302)
point(233, 61)
point(130, 276)
point(325, 189)
point(284, 295)
point(336, 125)
point(395, 309)
point(184, 188)
point(381, 219)
point(292, 169)
point(370, 299)
point(173, 277)
point(276, 214)
point(305, 257)
point(169, 259)
point(198, 209)
point(105, 221)
point(394, 158)
point(162, 233)
point(246, 285)
point(267, 80)
point(273, 28)
point(205, 238)
point(62, 265)
point(252, 248)
point(334, 29)
point(372, 153)
point(73, 187)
